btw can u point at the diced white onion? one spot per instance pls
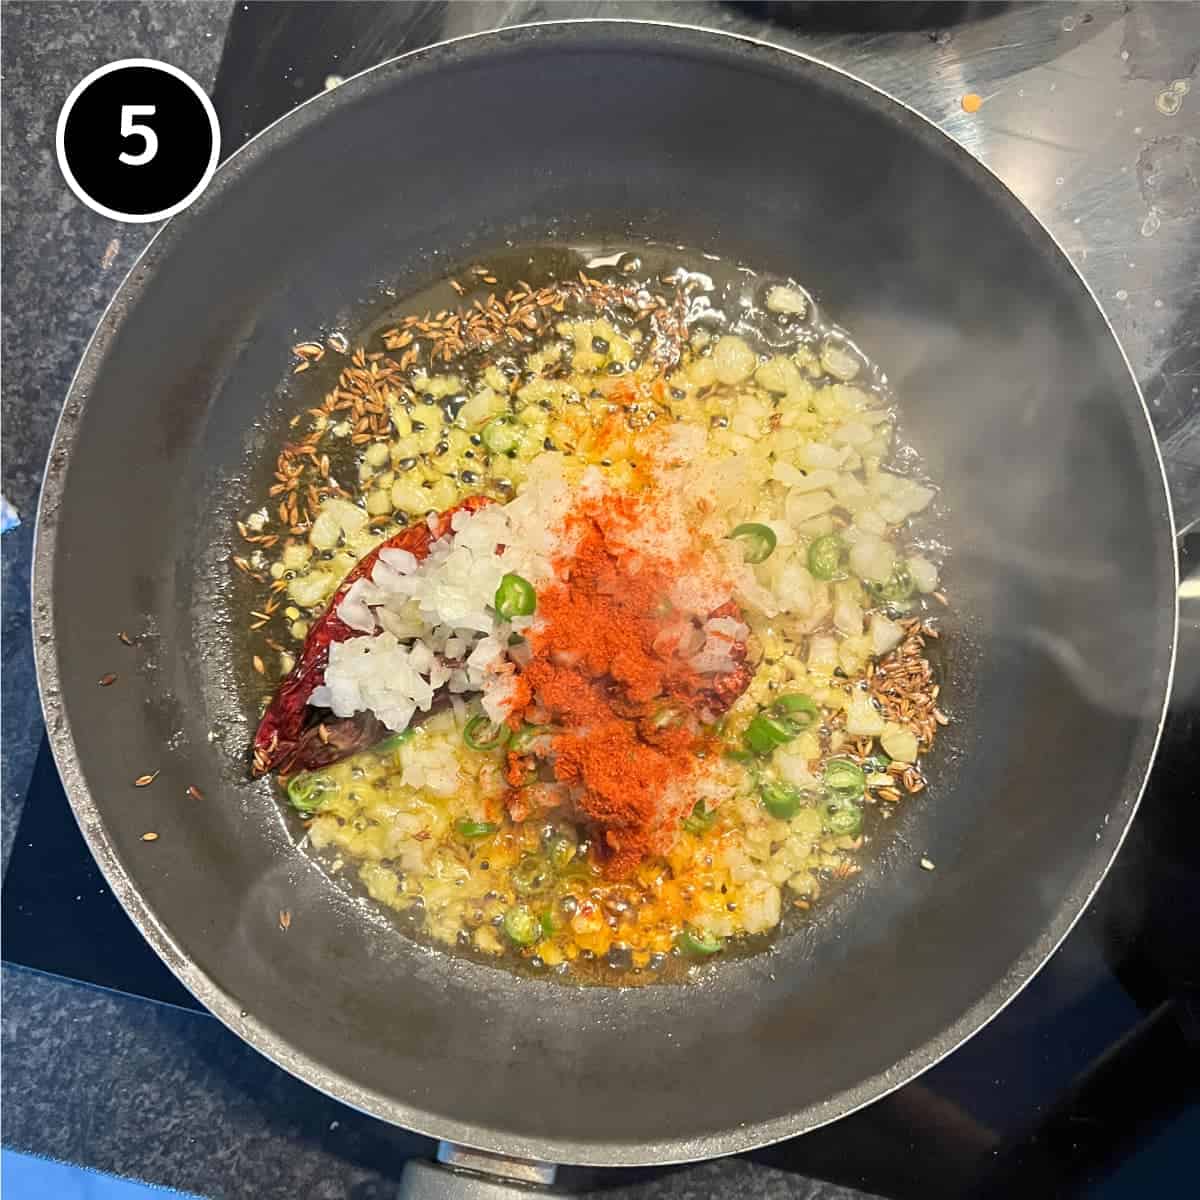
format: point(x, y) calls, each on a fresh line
point(733, 360)
point(886, 634)
point(853, 433)
point(353, 609)
point(872, 559)
point(780, 375)
point(800, 506)
point(787, 300)
point(869, 521)
point(822, 655)
point(818, 454)
point(820, 477)
point(899, 743)
point(786, 474)
point(847, 611)
point(924, 573)
point(838, 361)
point(863, 719)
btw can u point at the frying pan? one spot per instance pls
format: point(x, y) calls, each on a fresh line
point(1059, 644)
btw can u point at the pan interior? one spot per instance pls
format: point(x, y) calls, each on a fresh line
point(725, 292)
point(1010, 383)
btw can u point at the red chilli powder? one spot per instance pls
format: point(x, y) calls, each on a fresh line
point(603, 668)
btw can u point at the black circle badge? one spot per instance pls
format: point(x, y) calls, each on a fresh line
point(138, 140)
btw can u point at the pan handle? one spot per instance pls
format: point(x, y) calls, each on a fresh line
point(461, 1173)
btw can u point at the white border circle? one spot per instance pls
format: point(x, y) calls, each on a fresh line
point(73, 183)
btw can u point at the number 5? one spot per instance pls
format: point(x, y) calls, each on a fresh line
point(130, 129)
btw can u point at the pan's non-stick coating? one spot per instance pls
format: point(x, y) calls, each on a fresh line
point(1012, 385)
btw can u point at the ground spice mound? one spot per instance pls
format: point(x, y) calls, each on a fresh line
point(608, 671)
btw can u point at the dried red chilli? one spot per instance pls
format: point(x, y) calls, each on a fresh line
point(294, 737)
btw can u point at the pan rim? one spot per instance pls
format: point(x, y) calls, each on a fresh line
point(736, 1138)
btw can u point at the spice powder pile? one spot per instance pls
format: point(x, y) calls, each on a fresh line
point(607, 671)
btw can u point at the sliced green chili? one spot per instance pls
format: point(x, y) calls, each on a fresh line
point(515, 597)
point(521, 925)
point(739, 756)
point(697, 943)
point(844, 778)
point(767, 731)
point(780, 799)
point(546, 921)
point(798, 709)
point(845, 819)
point(481, 734)
point(758, 541)
point(825, 557)
point(474, 829)
point(500, 435)
point(699, 821)
point(877, 764)
point(781, 721)
point(530, 875)
point(308, 791)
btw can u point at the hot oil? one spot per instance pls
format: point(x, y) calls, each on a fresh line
point(722, 297)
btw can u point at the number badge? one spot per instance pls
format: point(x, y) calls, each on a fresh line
point(138, 140)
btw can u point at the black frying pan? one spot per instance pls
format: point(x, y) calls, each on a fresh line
point(1060, 645)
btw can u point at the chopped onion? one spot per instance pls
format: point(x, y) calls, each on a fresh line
point(715, 659)
point(727, 627)
point(353, 609)
point(853, 433)
point(733, 360)
point(793, 589)
point(872, 559)
point(820, 477)
point(840, 362)
point(787, 300)
point(850, 492)
point(853, 653)
point(801, 505)
point(747, 424)
point(869, 521)
point(780, 375)
point(309, 590)
point(847, 611)
point(822, 655)
point(785, 473)
point(863, 719)
point(793, 769)
point(818, 454)
point(325, 531)
point(886, 634)
point(688, 639)
point(924, 573)
point(899, 743)
point(401, 561)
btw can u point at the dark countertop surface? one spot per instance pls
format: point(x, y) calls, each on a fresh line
point(1080, 119)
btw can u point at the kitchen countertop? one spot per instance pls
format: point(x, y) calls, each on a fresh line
point(1079, 117)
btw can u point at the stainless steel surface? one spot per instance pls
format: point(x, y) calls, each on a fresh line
point(463, 1173)
point(520, 1170)
point(426, 1181)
